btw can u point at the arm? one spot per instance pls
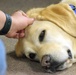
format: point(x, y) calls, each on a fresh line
point(2, 19)
point(19, 21)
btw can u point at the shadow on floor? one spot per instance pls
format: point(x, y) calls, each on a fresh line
point(34, 65)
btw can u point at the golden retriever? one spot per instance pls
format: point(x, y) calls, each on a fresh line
point(51, 39)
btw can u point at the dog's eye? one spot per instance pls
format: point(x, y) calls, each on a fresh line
point(69, 53)
point(41, 36)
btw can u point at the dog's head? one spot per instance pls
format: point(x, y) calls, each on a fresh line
point(48, 39)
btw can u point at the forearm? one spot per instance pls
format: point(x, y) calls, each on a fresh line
point(2, 19)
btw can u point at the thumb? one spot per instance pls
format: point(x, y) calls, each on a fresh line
point(30, 21)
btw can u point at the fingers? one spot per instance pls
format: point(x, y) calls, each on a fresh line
point(19, 34)
point(22, 13)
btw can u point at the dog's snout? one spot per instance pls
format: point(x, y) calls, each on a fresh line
point(32, 55)
point(49, 64)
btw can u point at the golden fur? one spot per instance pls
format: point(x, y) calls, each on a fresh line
point(59, 22)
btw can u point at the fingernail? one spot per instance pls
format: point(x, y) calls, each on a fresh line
point(32, 18)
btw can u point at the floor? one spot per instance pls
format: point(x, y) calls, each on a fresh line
point(23, 66)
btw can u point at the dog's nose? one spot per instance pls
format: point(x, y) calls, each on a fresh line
point(46, 60)
point(49, 64)
point(32, 55)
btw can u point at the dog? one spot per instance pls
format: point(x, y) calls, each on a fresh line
point(51, 39)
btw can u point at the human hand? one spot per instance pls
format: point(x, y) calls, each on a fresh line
point(19, 22)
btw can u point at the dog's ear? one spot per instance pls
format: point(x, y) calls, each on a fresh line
point(62, 15)
point(19, 48)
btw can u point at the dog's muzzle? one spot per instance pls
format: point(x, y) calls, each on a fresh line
point(49, 64)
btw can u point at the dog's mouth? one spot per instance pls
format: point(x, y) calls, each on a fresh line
point(51, 66)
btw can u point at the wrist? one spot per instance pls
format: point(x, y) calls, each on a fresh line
point(7, 25)
point(2, 19)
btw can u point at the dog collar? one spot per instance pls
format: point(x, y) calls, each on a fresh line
point(73, 8)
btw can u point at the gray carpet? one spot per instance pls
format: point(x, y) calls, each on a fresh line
point(23, 66)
